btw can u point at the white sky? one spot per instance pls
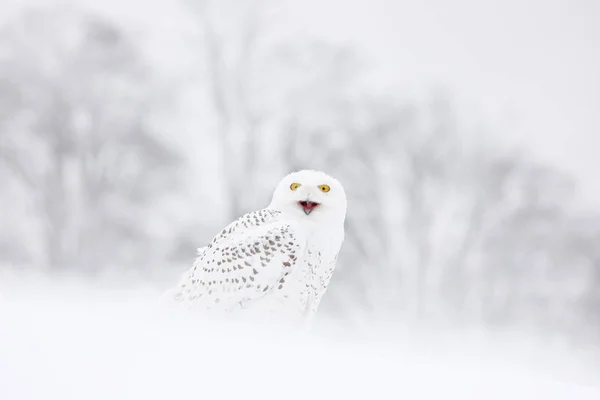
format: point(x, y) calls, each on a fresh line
point(530, 66)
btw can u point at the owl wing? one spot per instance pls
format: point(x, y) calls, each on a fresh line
point(250, 258)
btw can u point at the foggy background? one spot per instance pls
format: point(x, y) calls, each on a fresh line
point(465, 133)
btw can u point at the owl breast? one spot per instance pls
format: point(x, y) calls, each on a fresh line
point(309, 281)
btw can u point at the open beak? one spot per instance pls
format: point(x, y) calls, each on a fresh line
point(308, 206)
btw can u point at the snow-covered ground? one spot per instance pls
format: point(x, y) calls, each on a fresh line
point(69, 341)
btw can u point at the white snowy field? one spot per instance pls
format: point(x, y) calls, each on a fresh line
point(71, 341)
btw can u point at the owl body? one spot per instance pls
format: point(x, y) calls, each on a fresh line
point(273, 263)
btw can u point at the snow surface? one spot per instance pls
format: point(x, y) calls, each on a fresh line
point(73, 342)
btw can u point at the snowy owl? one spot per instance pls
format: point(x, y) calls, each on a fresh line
point(276, 261)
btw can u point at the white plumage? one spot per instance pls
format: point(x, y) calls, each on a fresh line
point(274, 262)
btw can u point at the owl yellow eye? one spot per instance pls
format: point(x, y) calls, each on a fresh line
point(325, 188)
point(294, 186)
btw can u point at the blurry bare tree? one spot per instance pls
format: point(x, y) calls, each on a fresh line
point(231, 45)
point(255, 81)
point(74, 133)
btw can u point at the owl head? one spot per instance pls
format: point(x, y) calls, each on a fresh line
point(311, 195)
